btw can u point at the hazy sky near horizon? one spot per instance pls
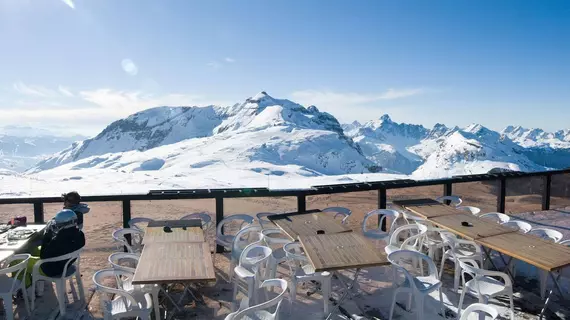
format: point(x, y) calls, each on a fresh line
point(75, 66)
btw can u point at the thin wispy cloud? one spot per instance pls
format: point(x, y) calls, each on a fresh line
point(65, 91)
point(350, 105)
point(69, 3)
point(33, 90)
point(230, 60)
point(214, 64)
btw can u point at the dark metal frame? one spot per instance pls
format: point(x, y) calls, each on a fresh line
point(220, 194)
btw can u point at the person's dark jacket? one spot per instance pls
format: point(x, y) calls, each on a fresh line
point(80, 210)
point(65, 241)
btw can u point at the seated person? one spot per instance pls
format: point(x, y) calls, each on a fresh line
point(72, 200)
point(62, 236)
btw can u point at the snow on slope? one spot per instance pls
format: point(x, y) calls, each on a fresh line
point(538, 137)
point(473, 150)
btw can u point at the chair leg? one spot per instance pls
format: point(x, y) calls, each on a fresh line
point(292, 293)
point(456, 276)
point(33, 297)
point(80, 287)
point(420, 306)
point(156, 304)
point(441, 302)
point(543, 275)
point(512, 305)
point(326, 289)
point(8, 307)
point(234, 296)
point(460, 306)
point(393, 304)
point(26, 301)
point(441, 266)
point(61, 296)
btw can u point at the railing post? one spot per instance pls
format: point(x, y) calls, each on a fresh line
point(126, 219)
point(219, 218)
point(546, 192)
point(448, 191)
point(38, 212)
point(502, 195)
point(301, 203)
point(382, 205)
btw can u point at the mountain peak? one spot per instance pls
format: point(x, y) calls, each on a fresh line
point(261, 96)
point(385, 118)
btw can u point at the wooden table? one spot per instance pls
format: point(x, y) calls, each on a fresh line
point(20, 244)
point(329, 252)
point(531, 249)
point(427, 208)
point(307, 224)
point(178, 262)
point(480, 228)
point(158, 235)
point(5, 254)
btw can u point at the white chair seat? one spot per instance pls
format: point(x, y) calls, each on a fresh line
point(391, 248)
point(426, 283)
point(243, 272)
point(487, 286)
point(259, 315)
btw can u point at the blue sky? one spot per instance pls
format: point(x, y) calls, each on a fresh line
point(78, 65)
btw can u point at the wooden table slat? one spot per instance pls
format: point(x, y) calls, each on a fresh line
point(339, 251)
point(427, 208)
point(531, 249)
point(307, 224)
point(481, 227)
point(157, 235)
point(178, 262)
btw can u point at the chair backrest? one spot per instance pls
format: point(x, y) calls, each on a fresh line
point(470, 209)
point(565, 242)
point(400, 258)
point(413, 239)
point(262, 219)
point(452, 200)
point(72, 259)
point(478, 309)
point(520, 225)
point(395, 215)
point(547, 234)
point(296, 257)
point(116, 258)
point(135, 222)
point(245, 237)
point(206, 219)
point(254, 256)
point(282, 284)
point(16, 270)
point(136, 239)
point(469, 266)
point(497, 216)
point(244, 218)
point(342, 211)
point(275, 241)
point(99, 280)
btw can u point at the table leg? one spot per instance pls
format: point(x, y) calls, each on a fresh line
point(557, 286)
point(487, 253)
point(345, 294)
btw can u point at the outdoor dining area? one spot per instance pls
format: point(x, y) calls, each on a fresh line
point(441, 260)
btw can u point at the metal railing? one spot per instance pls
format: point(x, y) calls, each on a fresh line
point(381, 186)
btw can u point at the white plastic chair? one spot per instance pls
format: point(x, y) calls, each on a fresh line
point(135, 222)
point(203, 216)
point(260, 311)
point(551, 235)
point(125, 304)
point(115, 260)
point(70, 269)
point(340, 211)
point(11, 285)
point(413, 235)
point(459, 249)
point(496, 216)
point(276, 244)
point(470, 209)
point(301, 270)
point(454, 201)
point(242, 239)
point(484, 284)
point(474, 311)
point(377, 233)
point(253, 258)
point(263, 221)
point(417, 287)
point(522, 226)
point(433, 241)
point(224, 239)
point(136, 239)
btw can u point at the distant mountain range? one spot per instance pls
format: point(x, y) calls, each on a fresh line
point(278, 137)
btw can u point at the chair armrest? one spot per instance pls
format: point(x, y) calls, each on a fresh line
point(504, 276)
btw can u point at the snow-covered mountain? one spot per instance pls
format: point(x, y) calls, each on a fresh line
point(262, 134)
point(538, 137)
point(22, 147)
